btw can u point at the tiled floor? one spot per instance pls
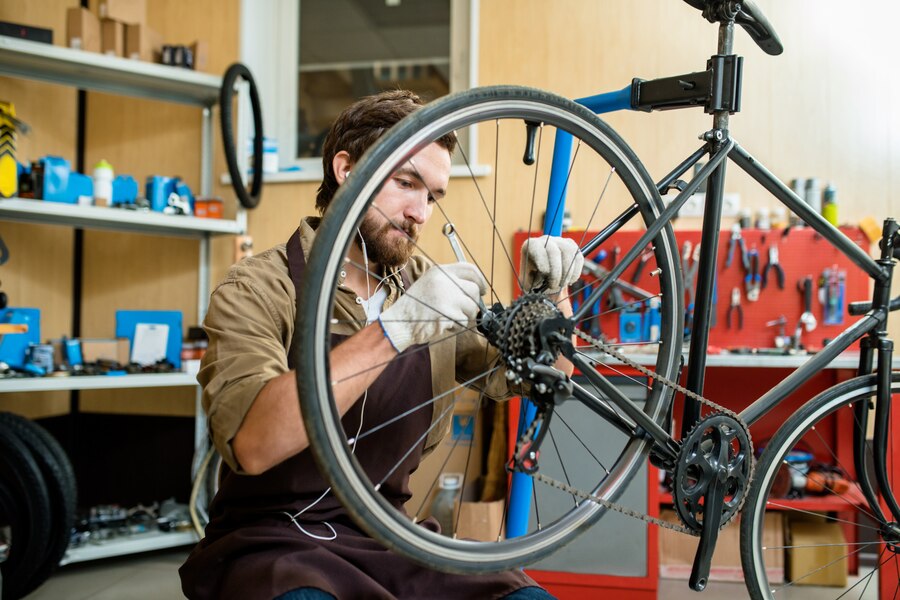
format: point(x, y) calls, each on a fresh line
point(155, 576)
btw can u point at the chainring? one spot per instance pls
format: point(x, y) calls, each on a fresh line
point(717, 445)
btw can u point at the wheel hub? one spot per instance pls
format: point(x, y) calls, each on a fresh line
point(717, 447)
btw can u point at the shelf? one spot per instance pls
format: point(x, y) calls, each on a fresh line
point(96, 382)
point(115, 219)
point(102, 73)
point(141, 542)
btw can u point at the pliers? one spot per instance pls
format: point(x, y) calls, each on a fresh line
point(736, 239)
point(752, 279)
point(773, 263)
point(735, 307)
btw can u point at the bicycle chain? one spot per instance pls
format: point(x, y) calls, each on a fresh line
point(679, 388)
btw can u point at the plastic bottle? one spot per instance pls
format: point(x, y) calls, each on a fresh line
point(443, 507)
point(813, 195)
point(829, 205)
point(103, 179)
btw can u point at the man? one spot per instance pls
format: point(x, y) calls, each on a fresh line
point(275, 531)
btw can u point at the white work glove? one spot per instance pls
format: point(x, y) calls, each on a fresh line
point(443, 300)
point(555, 261)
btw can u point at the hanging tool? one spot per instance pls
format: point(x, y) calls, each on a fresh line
point(773, 264)
point(616, 299)
point(752, 279)
point(834, 282)
point(646, 256)
point(782, 341)
point(735, 308)
point(689, 270)
point(807, 319)
point(737, 240)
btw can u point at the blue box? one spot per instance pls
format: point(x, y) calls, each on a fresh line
point(14, 347)
point(127, 321)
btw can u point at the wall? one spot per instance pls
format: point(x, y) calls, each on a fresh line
point(823, 108)
point(138, 137)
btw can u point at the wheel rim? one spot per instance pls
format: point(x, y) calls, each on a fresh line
point(816, 561)
point(338, 230)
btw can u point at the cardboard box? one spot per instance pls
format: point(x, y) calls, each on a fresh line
point(813, 545)
point(482, 521)
point(82, 30)
point(116, 349)
point(112, 37)
point(677, 550)
point(142, 43)
point(130, 12)
point(200, 50)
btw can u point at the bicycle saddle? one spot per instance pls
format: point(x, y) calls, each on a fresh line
point(748, 16)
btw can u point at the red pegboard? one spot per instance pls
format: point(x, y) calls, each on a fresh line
point(802, 252)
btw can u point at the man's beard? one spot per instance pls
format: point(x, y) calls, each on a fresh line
point(386, 249)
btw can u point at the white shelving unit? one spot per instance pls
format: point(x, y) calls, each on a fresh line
point(96, 72)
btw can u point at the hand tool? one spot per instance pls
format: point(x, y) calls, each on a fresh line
point(808, 319)
point(450, 231)
point(737, 240)
point(752, 279)
point(646, 256)
point(735, 307)
point(689, 271)
point(616, 300)
point(773, 264)
point(781, 340)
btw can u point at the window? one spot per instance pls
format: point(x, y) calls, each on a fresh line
point(312, 58)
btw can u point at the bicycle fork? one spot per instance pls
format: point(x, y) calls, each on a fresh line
point(878, 340)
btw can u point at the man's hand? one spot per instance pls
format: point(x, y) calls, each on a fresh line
point(443, 300)
point(554, 261)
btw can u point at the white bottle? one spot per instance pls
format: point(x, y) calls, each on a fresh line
point(443, 508)
point(103, 180)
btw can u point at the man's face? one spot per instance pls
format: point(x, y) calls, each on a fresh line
point(403, 206)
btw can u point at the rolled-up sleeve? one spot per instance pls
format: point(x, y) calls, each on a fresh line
point(248, 333)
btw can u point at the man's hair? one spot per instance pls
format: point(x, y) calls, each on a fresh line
point(359, 126)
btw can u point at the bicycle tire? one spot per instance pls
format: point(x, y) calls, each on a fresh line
point(760, 559)
point(247, 199)
point(59, 478)
point(26, 512)
point(311, 344)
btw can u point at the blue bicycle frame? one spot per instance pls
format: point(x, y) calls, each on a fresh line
point(521, 487)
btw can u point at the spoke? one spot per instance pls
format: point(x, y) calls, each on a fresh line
point(561, 462)
point(837, 461)
point(419, 441)
point(842, 498)
point(459, 237)
point(587, 227)
point(580, 441)
point(537, 512)
point(565, 186)
point(462, 488)
point(611, 368)
point(823, 567)
point(537, 164)
point(421, 348)
point(815, 514)
point(496, 232)
point(434, 481)
point(493, 214)
point(408, 412)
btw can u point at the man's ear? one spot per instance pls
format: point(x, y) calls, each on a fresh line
point(341, 164)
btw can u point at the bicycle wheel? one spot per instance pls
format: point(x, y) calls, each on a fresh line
point(778, 551)
point(607, 189)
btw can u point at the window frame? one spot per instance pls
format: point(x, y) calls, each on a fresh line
point(270, 47)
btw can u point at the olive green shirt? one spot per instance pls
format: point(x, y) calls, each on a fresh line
point(250, 323)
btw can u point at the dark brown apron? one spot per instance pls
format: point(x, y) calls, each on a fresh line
point(253, 550)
